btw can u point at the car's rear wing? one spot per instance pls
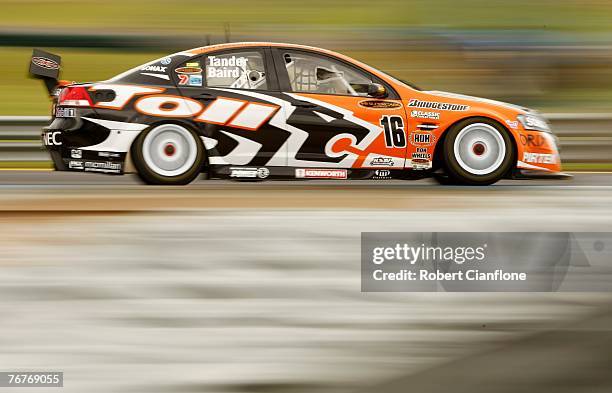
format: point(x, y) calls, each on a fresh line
point(46, 66)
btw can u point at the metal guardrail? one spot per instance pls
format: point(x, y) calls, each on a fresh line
point(584, 138)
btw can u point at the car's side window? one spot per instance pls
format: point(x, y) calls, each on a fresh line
point(319, 74)
point(236, 70)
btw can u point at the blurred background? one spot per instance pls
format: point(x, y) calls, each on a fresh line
point(555, 55)
point(255, 287)
point(551, 55)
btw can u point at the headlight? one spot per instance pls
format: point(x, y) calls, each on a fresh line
point(534, 122)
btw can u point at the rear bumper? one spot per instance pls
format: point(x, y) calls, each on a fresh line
point(68, 143)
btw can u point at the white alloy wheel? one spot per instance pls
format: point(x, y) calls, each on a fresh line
point(169, 150)
point(479, 149)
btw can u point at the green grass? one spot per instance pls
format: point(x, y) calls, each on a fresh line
point(588, 166)
point(207, 16)
point(301, 22)
point(44, 165)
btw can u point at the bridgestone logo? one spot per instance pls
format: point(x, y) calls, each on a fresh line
point(414, 103)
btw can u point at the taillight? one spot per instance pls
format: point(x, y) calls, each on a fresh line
point(74, 96)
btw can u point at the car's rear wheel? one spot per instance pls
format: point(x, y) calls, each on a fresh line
point(168, 154)
point(477, 151)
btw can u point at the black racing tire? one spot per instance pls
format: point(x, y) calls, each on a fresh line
point(168, 154)
point(478, 152)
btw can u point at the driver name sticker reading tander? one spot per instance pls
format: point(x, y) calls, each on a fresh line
point(225, 67)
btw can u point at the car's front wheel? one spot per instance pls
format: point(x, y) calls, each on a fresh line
point(168, 154)
point(477, 151)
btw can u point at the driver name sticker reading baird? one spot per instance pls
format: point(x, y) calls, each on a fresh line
point(486, 262)
point(225, 67)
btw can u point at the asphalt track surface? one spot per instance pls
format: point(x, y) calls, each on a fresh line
point(254, 287)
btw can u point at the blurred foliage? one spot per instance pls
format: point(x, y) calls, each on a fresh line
point(205, 16)
point(457, 43)
point(24, 96)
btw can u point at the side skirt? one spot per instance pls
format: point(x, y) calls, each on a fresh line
point(254, 173)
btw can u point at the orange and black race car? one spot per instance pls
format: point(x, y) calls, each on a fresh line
point(264, 111)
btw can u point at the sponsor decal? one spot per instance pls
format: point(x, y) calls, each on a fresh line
point(154, 68)
point(108, 154)
point(250, 173)
point(422, 138)
point(532, 140)
point(382, 161)
point(222, 111)
point(442, 106)
point(382, 174)
point(75, 165)
point(192, 64)
point(65, 112)
point(103, 166)
point(512, 124)
point(378, 104)
point(195, 80)
point(183, 79)
point(425, 115)
point(420, 164)
point(421, 156)
point(189, 70)
point(308, 173)
point(43, 62)
point(165, 61)
point(262, 173)
point(52, 138)
point(539, 158)
point(76, 153)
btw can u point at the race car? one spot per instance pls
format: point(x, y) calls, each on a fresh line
point(254, 111)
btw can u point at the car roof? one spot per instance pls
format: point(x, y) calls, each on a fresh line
point(238, 45)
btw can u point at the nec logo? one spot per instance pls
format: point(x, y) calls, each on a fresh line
point(52, 138)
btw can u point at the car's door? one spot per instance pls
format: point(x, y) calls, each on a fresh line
point(237, 89)
point(333, 120)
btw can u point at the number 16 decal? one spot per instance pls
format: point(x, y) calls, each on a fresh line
point(394, 131)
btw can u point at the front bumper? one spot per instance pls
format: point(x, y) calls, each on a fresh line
point(537, 174)
point(538, 152)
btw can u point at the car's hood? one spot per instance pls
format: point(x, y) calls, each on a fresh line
point(478, 99)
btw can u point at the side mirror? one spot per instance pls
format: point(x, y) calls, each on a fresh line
point(377, 91)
